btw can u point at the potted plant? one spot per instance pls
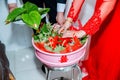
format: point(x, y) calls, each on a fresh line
point(50, 47)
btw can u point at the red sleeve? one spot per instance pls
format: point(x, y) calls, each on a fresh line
point(101, 12)
point(75, 9)
point(92, 26)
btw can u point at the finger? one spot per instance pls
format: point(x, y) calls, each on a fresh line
point(61, 30)
point(56, 27)
point(79, 34)
point(67, 35)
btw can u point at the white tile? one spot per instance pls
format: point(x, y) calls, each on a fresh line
point(11, 58)
point(34, 74)
point(25, 60)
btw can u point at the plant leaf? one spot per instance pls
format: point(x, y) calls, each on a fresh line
point(58, 49)
point(16, 12)
point(44, 29)
point(30, 7)
point(83, 40)
point(32, 19)
point(43, 10)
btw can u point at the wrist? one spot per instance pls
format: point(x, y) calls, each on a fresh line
point(59, 16)
point(69, 20)
point(60, 13)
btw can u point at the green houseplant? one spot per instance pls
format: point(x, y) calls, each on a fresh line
point(29, 13)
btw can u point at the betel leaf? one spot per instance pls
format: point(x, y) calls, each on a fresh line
point(16, 12)
point(43, 10)
point(18, 18)
point(44, 29)
point(30, 7)
point(29, 14)
point(32, 19)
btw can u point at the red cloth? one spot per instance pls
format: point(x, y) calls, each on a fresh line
point(75, 9)
point(104, 57)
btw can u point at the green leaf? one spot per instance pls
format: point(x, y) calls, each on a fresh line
point(43, 10)
point(36, 37)
point(44, 29)
point(30, 7)
point(83, 40)
point(29, 14)
point(32, 19)
point(58, 49)
point(48, 48)
point(12, 16)
point(18, 18)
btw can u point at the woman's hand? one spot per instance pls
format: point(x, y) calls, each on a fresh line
point(56, 27)
point(69, 33)
point(65, 26)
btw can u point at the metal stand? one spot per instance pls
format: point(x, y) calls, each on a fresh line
point(73, 68)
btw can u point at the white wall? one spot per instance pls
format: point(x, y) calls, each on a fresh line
point(14, 36)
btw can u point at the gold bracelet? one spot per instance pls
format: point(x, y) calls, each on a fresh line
point(69, 20)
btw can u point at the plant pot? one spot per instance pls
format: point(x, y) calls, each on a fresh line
point(60, 60)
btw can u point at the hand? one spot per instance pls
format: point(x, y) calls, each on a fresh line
point(12, 6)
point(65, 26)
point(69, 33)
point(56, 27)
point(60, 18)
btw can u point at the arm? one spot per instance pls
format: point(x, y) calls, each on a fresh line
point(93, 24)
point(12, 4)
point(75, 10)
point(72, 14)
point(60, 11)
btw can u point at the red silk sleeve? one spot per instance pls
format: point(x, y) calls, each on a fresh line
point(92, 26)
point(75, 9)
point(101, 12)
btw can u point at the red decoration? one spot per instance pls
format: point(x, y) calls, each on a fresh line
point(63, 59)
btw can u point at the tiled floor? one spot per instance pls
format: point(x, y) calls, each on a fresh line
point(25, 65)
